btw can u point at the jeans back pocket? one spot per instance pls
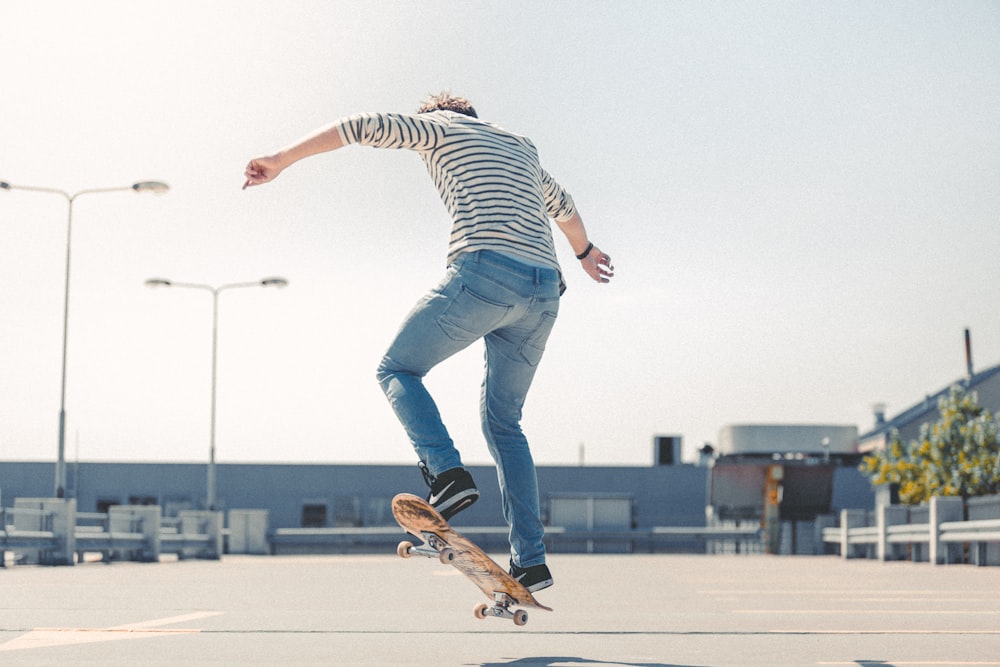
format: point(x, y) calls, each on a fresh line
point(470, 316)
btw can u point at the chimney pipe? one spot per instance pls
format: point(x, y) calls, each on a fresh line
point(879, 410)
point(968, 353)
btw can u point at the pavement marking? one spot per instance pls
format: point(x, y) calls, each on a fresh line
point(866, 596)
point(884, 632)
point(45, 637)
point(861, 612)
point(896, 663)
point(853, 594)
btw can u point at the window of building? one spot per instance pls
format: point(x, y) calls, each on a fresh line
point(347, 512)
point(314, 515)
point(105, 503)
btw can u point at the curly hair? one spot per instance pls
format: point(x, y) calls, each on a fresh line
point(446, 101)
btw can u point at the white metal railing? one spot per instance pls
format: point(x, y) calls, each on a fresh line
point(342, 539)
point(942, 537)
point(40, 535)
point(982, 530)
point(140, 533)
point(55, 535)
point(292, 540)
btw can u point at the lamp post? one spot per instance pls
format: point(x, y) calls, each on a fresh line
point(265, 282)
point(155, 187)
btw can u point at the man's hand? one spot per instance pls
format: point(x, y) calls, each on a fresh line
point(261, 170)
point(598, 265)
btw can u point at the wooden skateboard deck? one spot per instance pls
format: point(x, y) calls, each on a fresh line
point(441, 541)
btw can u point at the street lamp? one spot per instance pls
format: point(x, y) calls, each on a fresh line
point(264, 282)
point(155, 187)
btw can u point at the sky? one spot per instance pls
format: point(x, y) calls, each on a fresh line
point(800, 198)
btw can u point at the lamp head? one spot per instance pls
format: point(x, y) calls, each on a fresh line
point(274, 282)
point(158, 282)
point(4, 185)
point(156, 187)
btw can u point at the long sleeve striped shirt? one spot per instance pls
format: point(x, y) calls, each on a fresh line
point(490, 180)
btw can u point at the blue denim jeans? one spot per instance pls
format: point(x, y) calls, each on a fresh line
point(512, 306)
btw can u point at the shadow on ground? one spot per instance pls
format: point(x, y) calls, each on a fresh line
point(572, 662)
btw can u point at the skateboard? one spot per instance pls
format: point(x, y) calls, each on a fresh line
point(443, 542)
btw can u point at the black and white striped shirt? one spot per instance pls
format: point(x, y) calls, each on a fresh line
point(489, 179)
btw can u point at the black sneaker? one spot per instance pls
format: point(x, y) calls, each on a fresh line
point(534, 578)
point(451, 492)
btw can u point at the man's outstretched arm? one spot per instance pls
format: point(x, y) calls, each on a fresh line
point(266, 168)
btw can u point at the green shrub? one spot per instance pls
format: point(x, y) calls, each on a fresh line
point(958, 455)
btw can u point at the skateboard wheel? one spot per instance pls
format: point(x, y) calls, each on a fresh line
point(520, 617)
point(447, 555)
point(480, 611)
point(404, 549)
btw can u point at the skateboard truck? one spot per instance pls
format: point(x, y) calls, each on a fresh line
point(433, 547)
point(501, 609)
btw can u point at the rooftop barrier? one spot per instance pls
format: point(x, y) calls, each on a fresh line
point(935, 533)
point(49, 531)
point(366, 539)
point(52, 532)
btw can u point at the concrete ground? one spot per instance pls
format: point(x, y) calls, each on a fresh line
point(644, 610)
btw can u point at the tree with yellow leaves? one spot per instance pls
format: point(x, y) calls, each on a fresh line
point(958, 455)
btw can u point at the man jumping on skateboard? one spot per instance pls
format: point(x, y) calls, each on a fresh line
point(502, 285)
